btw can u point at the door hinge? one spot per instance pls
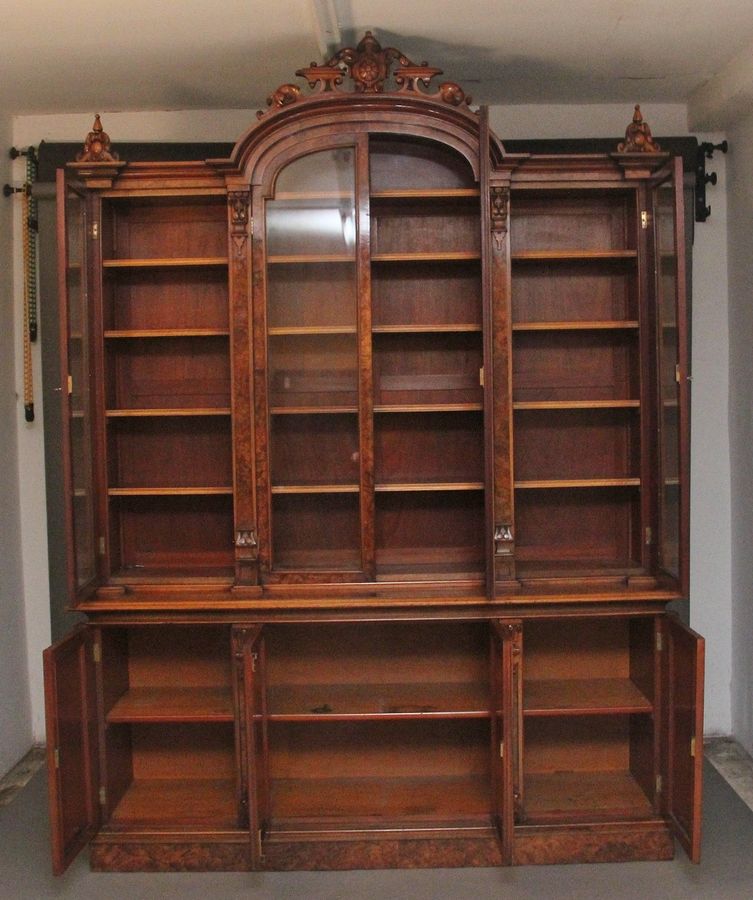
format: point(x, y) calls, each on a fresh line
point(692, 748)
point(659, 784)
point(678, 374)
point(94, 231)
point(70, 385)
point(659, 642)
point(481, 376)
point(254, 658)
point(501, 749)
point(97, 652)
point(259, 847)
point(56, 757)
point(649, 536)
point(645, 219)
point(102, 796)
point(101, 545)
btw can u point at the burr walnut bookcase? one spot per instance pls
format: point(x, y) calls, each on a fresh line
point(377, 462)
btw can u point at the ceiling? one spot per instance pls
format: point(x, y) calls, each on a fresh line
point(80, 56)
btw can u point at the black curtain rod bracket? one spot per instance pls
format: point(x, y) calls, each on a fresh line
point(702, 177)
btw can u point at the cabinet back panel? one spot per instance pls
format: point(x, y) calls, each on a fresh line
point(588, 290)
point(171, 656)
point(316, 531)
point(596, 648)
point(571, 222)
point(429, 447)
point(578, 524)
point(180, 532)
point(313, 370)
point(183, 751)
point(192, 297)
point(585, 744)
point(386, 749)
point(426, 294)
point(168, 229)
point(175, 373)
point(430, 526)
point(589, 443)
point(408, 163)
point(311, 295)
point(176, 452)
point(427, 368)
point(307, 450)
point(377, 653)
point(574, 366)
point(434, 228)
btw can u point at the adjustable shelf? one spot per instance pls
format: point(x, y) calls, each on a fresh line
point(165, 262)
point(583, 696)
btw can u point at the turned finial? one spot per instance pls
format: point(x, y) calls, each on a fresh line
point(97, 145)
point(638, 136)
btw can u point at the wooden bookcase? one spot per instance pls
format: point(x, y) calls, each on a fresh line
point(376, 444)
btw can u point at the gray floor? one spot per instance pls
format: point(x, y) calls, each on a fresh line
point(726, 870)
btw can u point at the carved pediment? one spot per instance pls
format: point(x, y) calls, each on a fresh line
point(369, 66)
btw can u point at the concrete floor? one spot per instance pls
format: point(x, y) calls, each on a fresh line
point(726, 870)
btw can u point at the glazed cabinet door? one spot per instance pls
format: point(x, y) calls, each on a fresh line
point(72, 755)
point(76, 387)
point(673, 378)
point(250, 691)
point(682, 738)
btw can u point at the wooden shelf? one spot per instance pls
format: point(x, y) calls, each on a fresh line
point(166, 413)
point(587, 696)
point(306, 196)
point(425, 194)
point(301, 258)
point(583, 795)
point(315, 489)
point(574, 325)
point(312, 410)
point(192, 704)
point(567, 255)
point(167, 491)
point(447, 256)
point(345, 702)
point(406, 799)
point(313, 330)
point(425, 329)
point(166, 333)
point(576, 404)
point(558, 483)
point(429, 407)
point(165, 262)
point(417, 486)
point(177, 803)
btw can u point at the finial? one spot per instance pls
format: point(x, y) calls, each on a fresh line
point(97, 145)
point(638, 136)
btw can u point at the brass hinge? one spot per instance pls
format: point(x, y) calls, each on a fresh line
point(259, 849)
point(70, 385)
point(97, 652)
point(692, 748)
point(94, 231)
point(501, 749)
point(481, 376)
point(659, 642)
point(678, 374)
point(254, 658)
point(659, 784)
point(649, 538)
point(102, 796)
point(101, 545)
point(251, 227)
point(56, 757)
point(645, 219)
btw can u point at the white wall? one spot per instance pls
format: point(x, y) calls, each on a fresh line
point(710, 564)
point(740, 169)
point(15, 709)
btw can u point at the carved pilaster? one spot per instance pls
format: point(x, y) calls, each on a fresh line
point(500, 204)
point(238, 202)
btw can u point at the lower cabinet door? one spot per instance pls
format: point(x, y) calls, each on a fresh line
point(72, 756)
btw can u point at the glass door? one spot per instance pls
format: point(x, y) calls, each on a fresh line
point(314, 410)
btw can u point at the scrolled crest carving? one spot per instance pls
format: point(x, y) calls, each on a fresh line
point(369, 67)
point(638, 137)
point(97, 145)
